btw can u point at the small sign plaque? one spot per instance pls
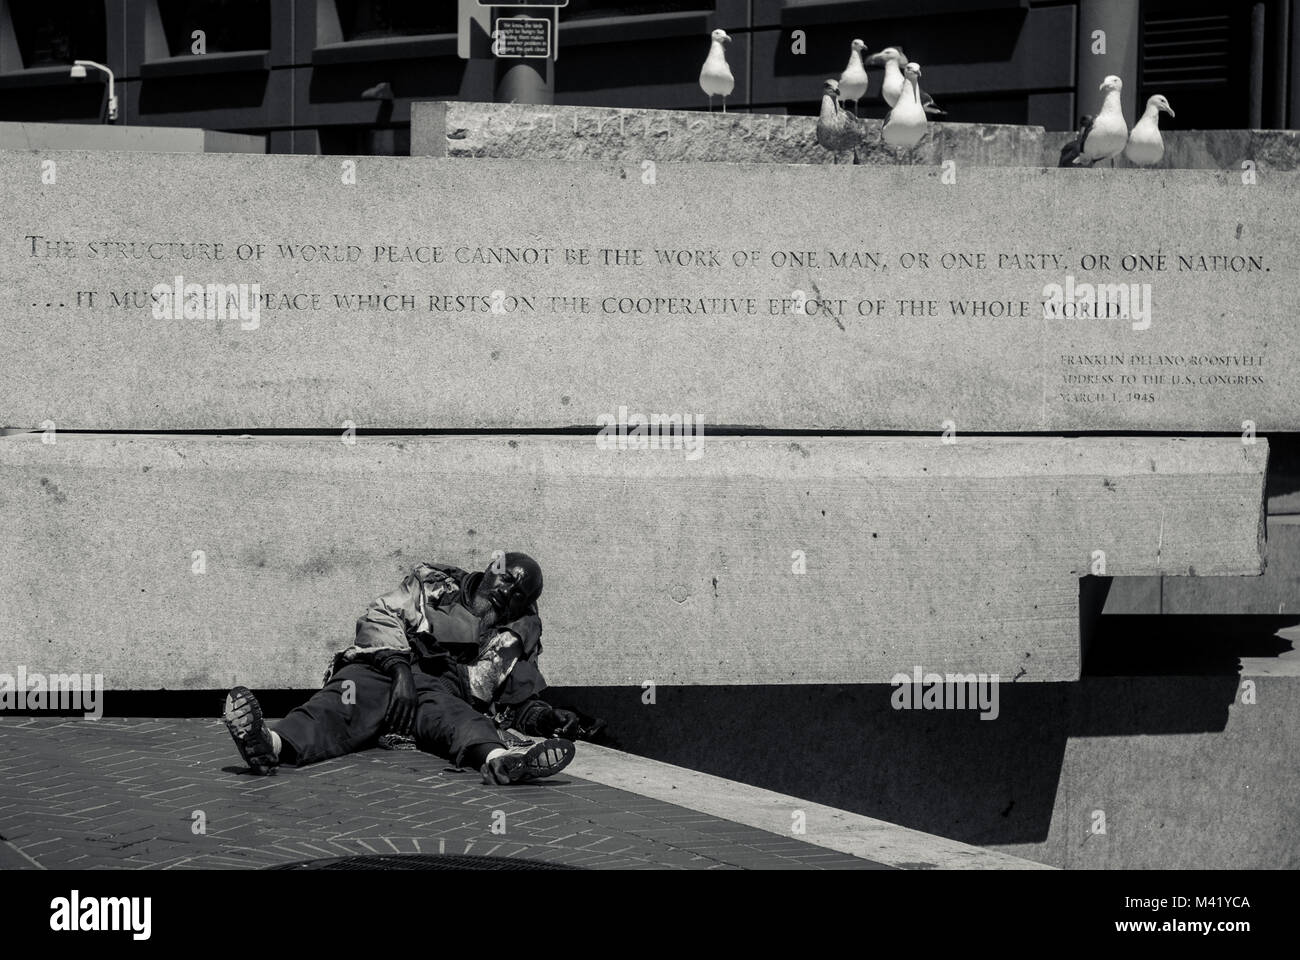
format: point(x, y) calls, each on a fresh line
point(522, 37)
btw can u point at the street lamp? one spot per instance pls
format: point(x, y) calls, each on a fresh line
point(79, 72)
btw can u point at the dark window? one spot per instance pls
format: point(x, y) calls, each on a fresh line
point(1198, 54)
point(366, 141)
point(581, 9)
point(371, 19)
point(56, 32)
point(228, 25)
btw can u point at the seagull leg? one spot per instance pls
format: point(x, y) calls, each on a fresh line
point(710, 103)
point(724, 103)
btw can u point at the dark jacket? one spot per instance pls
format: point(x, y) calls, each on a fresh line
point(426, 622)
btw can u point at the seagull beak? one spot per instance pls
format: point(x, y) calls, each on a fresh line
point(1168, 109)
point(875, 60)
point(726, 38)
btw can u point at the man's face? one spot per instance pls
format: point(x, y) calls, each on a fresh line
point(510, 590)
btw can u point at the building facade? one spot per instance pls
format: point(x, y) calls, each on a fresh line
point(338, 76)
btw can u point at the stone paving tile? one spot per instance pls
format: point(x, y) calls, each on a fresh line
point(122, 793)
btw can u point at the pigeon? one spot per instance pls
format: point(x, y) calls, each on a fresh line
point(854, 80)
point(837, 129)
point(1145, 145)
point(715, 75)
point(893, 60)
point(906, 123)
point(1107, 135)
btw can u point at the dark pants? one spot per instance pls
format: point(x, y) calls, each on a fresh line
point(342, 718)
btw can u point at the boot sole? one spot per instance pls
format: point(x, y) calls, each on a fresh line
point(542, 760)
point(243, 718)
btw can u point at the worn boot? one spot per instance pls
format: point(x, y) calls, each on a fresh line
point(243, 717)
point(521, 764)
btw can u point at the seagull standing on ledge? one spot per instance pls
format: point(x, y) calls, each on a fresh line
point(895, 83)
point(837, 130)
point(715, 75)
point(1071, 152)
point(1146, 147)
point(854, 80)
point(906, 124)
point(1107, 135)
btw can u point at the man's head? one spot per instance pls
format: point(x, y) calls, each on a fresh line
point(512, 583)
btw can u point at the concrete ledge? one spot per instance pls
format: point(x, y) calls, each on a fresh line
point(469, 129)
point(1276, 593)
point(1207, 149)
point(84, 136)
point(828, 827)
point(766, 560)
point(523, 131)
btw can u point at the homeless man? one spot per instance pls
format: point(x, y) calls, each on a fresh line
point(431, 659)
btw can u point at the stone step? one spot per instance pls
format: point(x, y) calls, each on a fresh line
point(824, 826)
point(85, 136)
point(197, 562)
point(1276, 593)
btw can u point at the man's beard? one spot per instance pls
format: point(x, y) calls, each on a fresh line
point(487, 624)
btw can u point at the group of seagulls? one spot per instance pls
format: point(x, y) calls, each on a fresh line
point(1107, 135)
point(837, 128)
point(1100, 138)
point(909, 107)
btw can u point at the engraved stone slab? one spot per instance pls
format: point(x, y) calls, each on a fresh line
point(416, 293)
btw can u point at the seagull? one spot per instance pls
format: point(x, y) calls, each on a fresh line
point(854, 80)
point(1145, 145)
point(715, 75)
point(894, 60)
point(906, 123)
point(837, 129)
point(1106, 136)
point(1071, 152)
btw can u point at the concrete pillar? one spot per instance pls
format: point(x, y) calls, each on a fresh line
point(1257, 66)
point(11, 58)
point(1120, 22)
point(1280, 37)
point(525, 80)
point(1293, 60)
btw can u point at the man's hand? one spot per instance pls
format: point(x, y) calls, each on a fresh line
point(564, 723)
point(402, 701)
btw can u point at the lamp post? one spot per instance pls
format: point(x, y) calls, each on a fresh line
point(79, 72)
